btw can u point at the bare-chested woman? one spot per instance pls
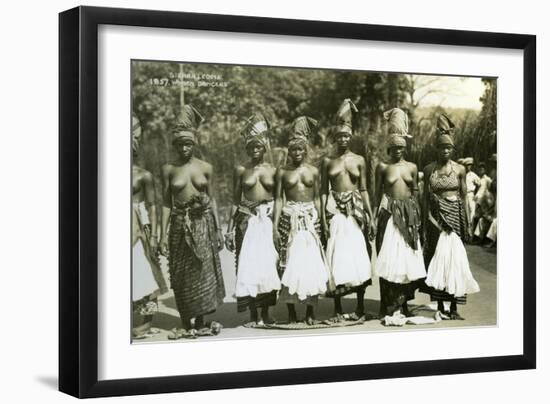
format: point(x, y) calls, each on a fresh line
point(194, 237)
point(250, 229)
point(446, 225)
point(297, 227)
point(346, 217)
point(399, 263)
point(147, 279)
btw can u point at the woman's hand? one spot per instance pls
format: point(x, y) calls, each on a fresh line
point(372, 229)
point(163, 247)
point(220, 240)
point(154, 245)
point(276, 238)
point(326, 231)
point(230, 241)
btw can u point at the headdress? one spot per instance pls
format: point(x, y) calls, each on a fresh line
point(445, 131)
point(344, 117)
point(398, 127)
point(468, 161)
point(256, 129)
point(301, 129)
point(396, 140)
point(187, 124)
point(398, 122)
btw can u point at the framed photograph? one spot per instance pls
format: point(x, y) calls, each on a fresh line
point(251, 201)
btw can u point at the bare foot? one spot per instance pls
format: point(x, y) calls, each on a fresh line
point(268, 320)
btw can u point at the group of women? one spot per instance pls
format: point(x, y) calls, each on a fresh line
point(300, 232)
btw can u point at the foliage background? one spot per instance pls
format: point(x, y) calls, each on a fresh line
point(233, 93)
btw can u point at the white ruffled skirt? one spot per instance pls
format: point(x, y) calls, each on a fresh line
point(397, 262)
point(257, 270)
point(347, 255)
point(306, 273)
point(449, 269)
point(143, 282)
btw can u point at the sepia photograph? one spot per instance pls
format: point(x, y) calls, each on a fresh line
point(281, 201)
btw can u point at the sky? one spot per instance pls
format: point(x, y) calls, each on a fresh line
point(450, 92)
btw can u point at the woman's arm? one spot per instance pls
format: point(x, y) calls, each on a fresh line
point(209, 174)
point(425, 203)
point(166, 208)
point(414, 184)
point(237, 195)
point(316, 186)
point(278, 204)
point(324, 195)
point(463, 191)
point(378, 186)
point(363, 186)
point(365, 197)
point(149, 198)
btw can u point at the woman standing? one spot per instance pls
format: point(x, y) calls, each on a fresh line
point(251, 228)
point(473, 183)
point(297, 227)
point(147, 279)
point(345, 213)
point(194, 238)
point(399, 263)
point(446, 226)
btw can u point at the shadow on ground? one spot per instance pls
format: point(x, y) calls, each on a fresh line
point(227, 313)
point(49, 381)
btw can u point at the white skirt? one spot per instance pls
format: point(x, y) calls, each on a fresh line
point(257, 270)
point(347, 255)
point(306, 273)
point(143, 282)
point(449, 269)
point(397, 262)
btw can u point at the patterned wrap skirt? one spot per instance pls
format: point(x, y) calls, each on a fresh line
point(302, 264)
point(400, 264)
point(257, 277)
point(194, 262)
point(348, 247)
point(449, 276)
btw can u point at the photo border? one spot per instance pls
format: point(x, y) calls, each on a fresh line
point(78, 192)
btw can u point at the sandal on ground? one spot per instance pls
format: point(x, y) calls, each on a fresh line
point(441, 315)
point(179, 333)
point(455, 316)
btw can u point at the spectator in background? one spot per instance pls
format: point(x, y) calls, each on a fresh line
point(485, 214)
point(484, 181)
point(492, 232)
point(483, 202)
point(493, 167)
point(472, 185)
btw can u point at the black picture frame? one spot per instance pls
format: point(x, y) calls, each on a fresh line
point(78, 200)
